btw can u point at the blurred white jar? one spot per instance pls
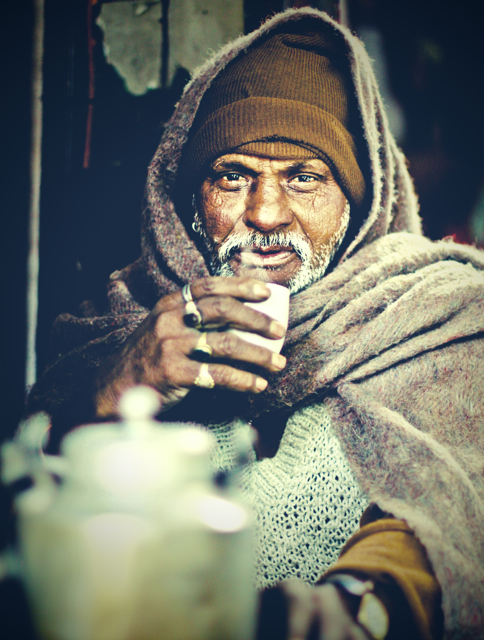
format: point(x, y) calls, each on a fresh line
point(136, 542)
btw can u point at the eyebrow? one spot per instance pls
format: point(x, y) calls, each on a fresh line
point(229, 166)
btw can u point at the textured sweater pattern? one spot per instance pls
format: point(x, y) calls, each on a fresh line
point(306, 500)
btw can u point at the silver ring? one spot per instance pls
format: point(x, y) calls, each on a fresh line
point(186, 293)
point(202, 349)
point(192, 316)
point(204, 379)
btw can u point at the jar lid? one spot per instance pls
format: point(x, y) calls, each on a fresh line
point(139, 455)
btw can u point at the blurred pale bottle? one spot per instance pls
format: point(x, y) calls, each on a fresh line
point(136, 542)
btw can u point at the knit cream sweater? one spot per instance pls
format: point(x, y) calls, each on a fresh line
point(306, 500)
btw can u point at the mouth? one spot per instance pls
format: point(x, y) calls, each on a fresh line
point(265, 257)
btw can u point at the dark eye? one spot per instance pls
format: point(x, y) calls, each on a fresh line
point(232, 176)
point(304, 182)
point(231, 181)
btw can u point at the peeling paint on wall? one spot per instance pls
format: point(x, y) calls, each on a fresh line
point(198, 27)
point(132, 43)
point(133, 36)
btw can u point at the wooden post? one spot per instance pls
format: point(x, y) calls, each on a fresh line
point(34, 205)
point(343, 13)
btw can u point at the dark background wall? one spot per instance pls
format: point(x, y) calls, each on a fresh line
point(90, 216)
point(15, 56)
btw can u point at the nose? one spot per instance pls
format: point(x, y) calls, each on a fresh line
point(267, 207)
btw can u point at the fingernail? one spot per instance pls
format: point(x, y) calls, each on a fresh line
point(278, 361)
point(261, 290)
point(277, 329)
point(260, 384)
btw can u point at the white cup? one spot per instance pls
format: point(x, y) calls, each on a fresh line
point(276, 307)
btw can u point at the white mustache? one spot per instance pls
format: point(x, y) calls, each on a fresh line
point(257, 240)
point(312, 268)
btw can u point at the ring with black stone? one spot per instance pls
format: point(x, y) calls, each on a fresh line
point(203, 351)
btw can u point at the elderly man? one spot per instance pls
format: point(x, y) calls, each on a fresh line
point(278, 166)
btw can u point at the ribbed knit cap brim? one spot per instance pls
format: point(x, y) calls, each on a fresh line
point(276, 149)
point(291, 87)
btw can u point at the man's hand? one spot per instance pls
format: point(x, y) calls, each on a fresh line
point(320, 608)
point(160, 352)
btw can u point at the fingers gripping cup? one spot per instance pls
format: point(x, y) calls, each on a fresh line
point(276, 307)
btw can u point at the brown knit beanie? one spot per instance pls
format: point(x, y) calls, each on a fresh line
point(289, 96)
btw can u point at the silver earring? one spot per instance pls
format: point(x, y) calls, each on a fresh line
point(197, 222)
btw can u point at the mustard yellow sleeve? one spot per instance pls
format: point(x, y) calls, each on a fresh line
point(387, 552)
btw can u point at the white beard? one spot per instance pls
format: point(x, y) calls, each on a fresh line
point(313, 265)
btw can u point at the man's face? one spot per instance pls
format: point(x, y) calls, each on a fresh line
point(276, 220)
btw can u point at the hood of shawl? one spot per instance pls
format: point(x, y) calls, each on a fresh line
point(170, 255)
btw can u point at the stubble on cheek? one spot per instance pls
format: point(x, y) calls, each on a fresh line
point(217, 218)
point(339, 226)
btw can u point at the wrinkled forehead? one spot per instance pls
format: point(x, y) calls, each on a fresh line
point(266, 163)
